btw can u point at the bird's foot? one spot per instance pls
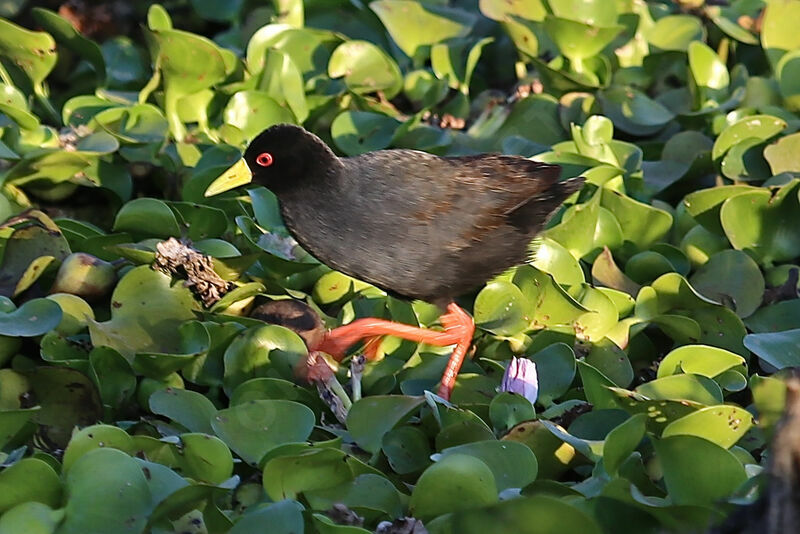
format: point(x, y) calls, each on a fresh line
point(458, 330)
point(460, 325)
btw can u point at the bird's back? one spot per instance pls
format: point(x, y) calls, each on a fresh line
point(424, 226)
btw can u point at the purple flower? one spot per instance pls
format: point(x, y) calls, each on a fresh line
point(520, 378)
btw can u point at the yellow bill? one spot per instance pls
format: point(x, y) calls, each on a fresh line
point(238, 174)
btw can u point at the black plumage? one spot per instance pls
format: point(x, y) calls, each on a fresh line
point(413, 223)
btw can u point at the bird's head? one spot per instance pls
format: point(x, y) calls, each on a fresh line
point(279, 158)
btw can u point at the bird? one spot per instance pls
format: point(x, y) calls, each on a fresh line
point(417, 225)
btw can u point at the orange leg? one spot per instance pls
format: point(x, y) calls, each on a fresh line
point(458, 330)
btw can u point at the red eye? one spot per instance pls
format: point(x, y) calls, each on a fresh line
point(264, 159)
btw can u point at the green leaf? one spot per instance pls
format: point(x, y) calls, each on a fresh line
point(147, 216)
point(67, 36)
point(33, 52)
point(512, 464)
point(622, 441)
point(29, 480)
point(365, 68)
point(697, 471)
point(287, 476)
point(106, 490)
point(412, 24)
point(698, 359)
point(779, 349)
point(372, 417)
point(254, 111)
point(253, 428)
point(456, 482)
point(501, 308)
point(33, 318)
point(723, 424)
point(675, 32)
point(358, 132)
point(188, 408)
point(545, 514)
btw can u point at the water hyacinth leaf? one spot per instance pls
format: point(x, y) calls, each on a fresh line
point(698, 359)
point(659, 412)
point(147, 216)
point(555, 366)
point(413, 25)
point(759, 222)
point(33, 318)
point(601, 317)
point(512, 464)
point(287, 476)
point(596, 387)
point(407, 449)
point(188, 408)
point(309, 48)
point(509, 409)
point(262, 351)
point(456, 60)
point(769, 399)
point(540, 108)
point(113, 375)
point(116, 480)
point(622, 441)
point(503, 309)
point(646, 266)
point(283, 517)
point(780, 154)
point(554, 306)
point(33, 52)
point(550, 515)
point(15, 106)
point(358, 132)
point(145, 325)
point(365, 68)
point(779, 349)
point(697, 470)
point(695, 388)
point(713, 281)
point(372, 417)
point(778, 35)
point(553, 258)
point(567, 234)
point(578, 40)
point(456, 482)
point(633, 111)
point(205, 458)
point(31, 516)
point(706, 67)
point(29, 480)
point(12, 422)
point(140, 123)
point(188, 63)
point(253, 428)
point(722, 424)
point(96, 437)
point(641, 224)
point(705, 205)
point(518, 19)
point(367, 493)
point(67, 36)
point(281, 79)
point(777, 317)
point(253, 111)
point(68, 398)
point(762, 127)
point(675, 32)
